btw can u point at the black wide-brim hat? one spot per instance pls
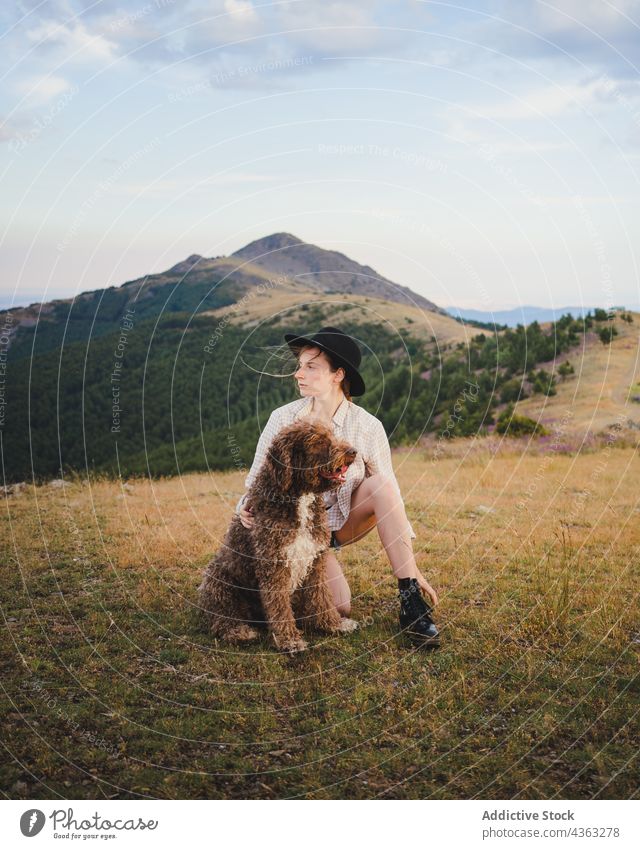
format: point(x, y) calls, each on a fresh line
point(342, 349)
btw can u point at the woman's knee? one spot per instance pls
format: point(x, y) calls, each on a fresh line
point(344, 607)
point(338, 586)
point(381, 488)
point(343, 598)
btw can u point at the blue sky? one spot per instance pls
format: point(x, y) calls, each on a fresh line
point(484, 154)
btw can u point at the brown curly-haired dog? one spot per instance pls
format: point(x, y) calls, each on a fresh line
point(274, 572)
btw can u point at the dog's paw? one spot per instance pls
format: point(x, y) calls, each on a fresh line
point(242, 634)
point(291, 645)
point(347, 625)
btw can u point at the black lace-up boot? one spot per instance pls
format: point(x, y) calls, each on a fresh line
point(415, 614)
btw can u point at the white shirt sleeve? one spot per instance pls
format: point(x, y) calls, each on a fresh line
point(379, 458)
point(271, 429)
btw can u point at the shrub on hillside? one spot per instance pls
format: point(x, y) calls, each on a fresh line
point(607, 333)
point(512, 425)
point(543, 382)
point(601, 315)
point(566, 369)
point(512, 390)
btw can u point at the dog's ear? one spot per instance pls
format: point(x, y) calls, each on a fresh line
point(286, 472)
point(281, 459)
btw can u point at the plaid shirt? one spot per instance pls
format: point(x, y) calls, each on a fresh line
point(354, 424)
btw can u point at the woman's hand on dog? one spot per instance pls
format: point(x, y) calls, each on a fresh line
point(246, 517)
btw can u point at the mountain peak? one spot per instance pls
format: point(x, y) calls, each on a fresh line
point(274, 242)
point(186, 264)
point(324, 270)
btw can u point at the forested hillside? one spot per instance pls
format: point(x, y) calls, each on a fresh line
point(157, 397)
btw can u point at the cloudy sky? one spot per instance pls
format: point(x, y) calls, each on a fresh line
point(484, 154)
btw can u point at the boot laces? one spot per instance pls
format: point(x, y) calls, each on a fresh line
point(414, 604)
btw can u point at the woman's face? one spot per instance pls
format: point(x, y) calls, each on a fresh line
point(314, 374)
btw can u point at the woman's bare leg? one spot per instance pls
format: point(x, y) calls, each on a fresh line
point(376, 502)
point(337, 583)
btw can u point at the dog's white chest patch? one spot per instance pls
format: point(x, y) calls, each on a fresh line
point(301, 552)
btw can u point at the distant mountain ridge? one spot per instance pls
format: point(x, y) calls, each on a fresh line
point(201, 284)
point(518, 315)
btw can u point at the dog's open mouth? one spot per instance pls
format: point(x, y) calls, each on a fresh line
point(339, 474)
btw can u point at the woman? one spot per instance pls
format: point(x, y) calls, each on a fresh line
point(327, 376)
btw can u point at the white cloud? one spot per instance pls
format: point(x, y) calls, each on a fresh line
point(40, 90)
point(547, 101)
point(334, 27)
point(602, 16)
point(603, 34)
point(74, 38)
point(241, 9)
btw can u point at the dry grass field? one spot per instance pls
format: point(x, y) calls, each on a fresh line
point(112, 687)
point(601, 389)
